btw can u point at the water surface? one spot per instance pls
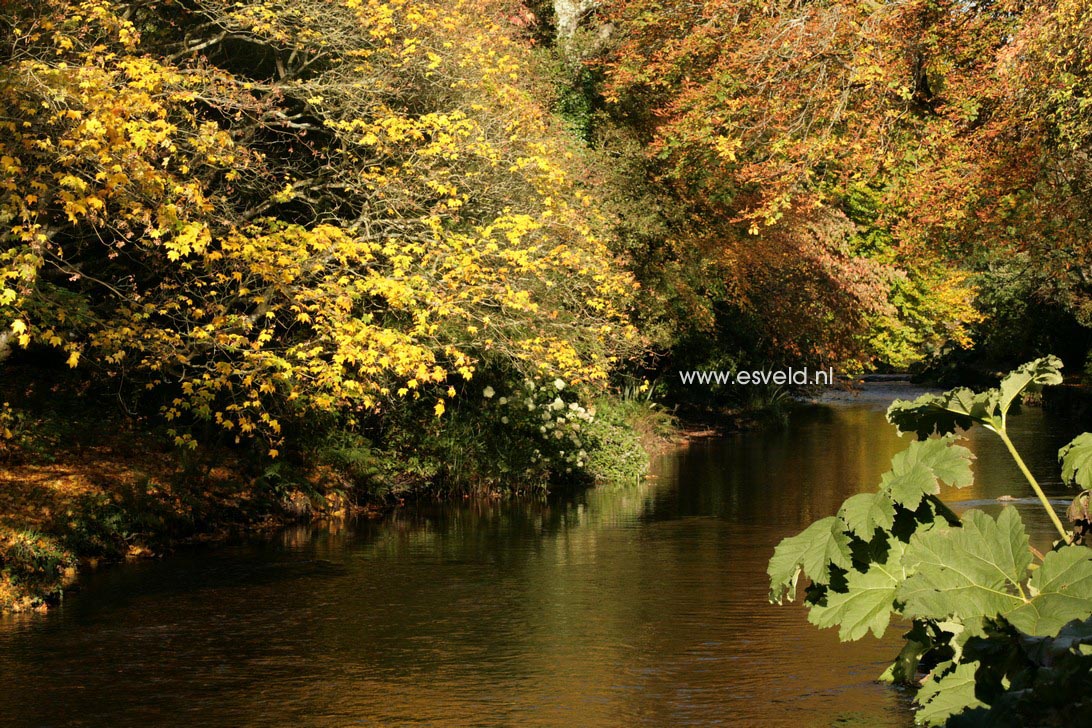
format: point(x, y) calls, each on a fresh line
point(613, 607)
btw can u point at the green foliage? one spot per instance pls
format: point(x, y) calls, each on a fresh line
point(31, 559)
point(970, 571)
point(951, 692)
point(959, 408)
point(1076, 459)
point(821, 545)
point(980, 569)
point(349, 454)
point(1061, 591)
point(1030, 377)
point(923, 297)
point(854, 541)
point(576, 101)
point(1019, 319)
point(513, 435)
point(618, 454)
point(1029, 680)
point(919, 470)
point(864, 601)
point(865, 512)
point(989, 613)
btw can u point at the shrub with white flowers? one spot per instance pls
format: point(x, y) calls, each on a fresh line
point(549, 412)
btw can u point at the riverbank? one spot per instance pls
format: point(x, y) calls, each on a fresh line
point(78, 491)
point(82, 507)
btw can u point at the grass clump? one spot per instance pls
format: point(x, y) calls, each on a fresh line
point(33, 568)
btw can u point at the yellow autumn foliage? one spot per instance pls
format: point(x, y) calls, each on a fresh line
point(261, 210)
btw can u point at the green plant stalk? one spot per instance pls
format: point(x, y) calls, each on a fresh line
point(1034, 484)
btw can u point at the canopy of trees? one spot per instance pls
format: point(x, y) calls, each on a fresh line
point(248, 217)
point(848, 165)
point(253, 213)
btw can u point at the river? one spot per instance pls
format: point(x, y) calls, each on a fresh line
point(639, 606)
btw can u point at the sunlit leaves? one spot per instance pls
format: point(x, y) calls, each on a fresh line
point(1029, 377)
point(1061, 591)
point(1076, 459)
point(949, 691)
point(944, 413)
point(830, 542)
point(813, 552)
point(771, 127)
point(866, 602)
point(960, 408)
point(920, 469)
point(972, 571)
point(393, 239)
point(865, 512)
point(971, 584)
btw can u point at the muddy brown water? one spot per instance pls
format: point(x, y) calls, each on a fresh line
point(639, 606)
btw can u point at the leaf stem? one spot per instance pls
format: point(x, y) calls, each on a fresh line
point(1034, 484)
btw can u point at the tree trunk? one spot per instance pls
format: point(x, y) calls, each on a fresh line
point(567, 16)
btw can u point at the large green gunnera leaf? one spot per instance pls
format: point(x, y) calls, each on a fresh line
point(951, 694)
point(867, 602)
point(1061, 592)
point(865, 512)
point(978, 571)
point(1076, 459)
point(960, 408)
point(969, 571)
point(811, 551)
point(943, 413)
point(921, 468)
point(1029, 377)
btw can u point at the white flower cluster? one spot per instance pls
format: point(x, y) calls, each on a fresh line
point(559, 420)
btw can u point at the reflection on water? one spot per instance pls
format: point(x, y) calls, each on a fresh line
point(639, 606)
